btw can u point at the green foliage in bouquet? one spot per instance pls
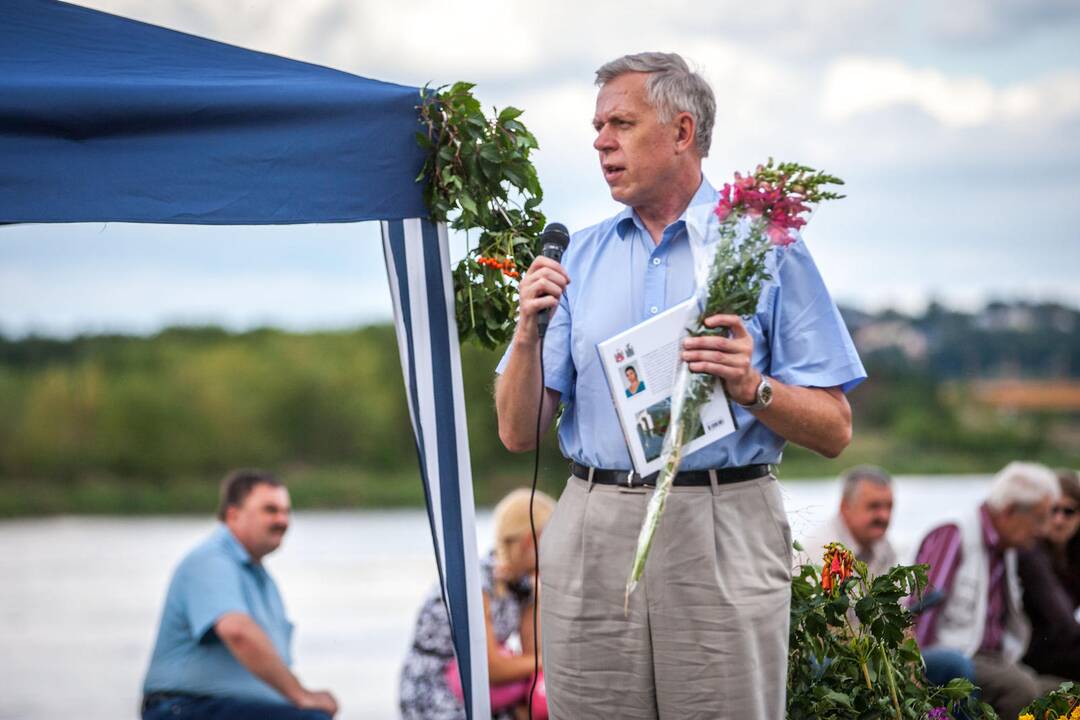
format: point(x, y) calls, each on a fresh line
point(866, 667)
point(479, 178)
point(1060, 704)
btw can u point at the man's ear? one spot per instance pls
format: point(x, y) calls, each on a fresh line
point(686, 129)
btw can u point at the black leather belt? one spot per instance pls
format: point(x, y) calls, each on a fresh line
point(688, 478)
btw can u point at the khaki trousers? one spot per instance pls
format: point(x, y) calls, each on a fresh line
point(707, 633)
point(1009, 686)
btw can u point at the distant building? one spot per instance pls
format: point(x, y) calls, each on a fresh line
point(899, 334)
point(1029, 395)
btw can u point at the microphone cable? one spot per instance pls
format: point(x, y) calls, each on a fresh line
point(554, 240)
point(536, 544)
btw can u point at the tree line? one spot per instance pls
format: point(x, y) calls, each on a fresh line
point(104, 422)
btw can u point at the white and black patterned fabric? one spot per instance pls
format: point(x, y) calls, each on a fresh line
point(423, 692)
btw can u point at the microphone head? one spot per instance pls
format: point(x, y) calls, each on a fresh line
point(555, 234)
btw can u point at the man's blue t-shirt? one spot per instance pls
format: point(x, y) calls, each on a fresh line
point(215, 578)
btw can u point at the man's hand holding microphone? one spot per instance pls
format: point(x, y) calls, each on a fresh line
point(543, 285)
point(518, 395)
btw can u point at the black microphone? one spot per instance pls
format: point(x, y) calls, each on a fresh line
point(553, 242)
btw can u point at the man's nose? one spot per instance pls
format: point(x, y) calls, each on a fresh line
point(604, 140)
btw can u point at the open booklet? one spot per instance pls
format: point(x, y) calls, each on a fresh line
point(640, 365)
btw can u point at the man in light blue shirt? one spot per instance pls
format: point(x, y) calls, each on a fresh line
point(223, 649)
point(706, 635)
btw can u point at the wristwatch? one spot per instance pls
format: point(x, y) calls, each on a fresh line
point(762, 397)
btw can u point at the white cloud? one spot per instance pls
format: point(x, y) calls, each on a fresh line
point(857, 85)
point(1051, 100)
point(417, 41)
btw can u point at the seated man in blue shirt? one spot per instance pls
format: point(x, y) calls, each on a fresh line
point(706, 634)
point(223, 648)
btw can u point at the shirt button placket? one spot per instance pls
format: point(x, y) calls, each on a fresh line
point(654, 285)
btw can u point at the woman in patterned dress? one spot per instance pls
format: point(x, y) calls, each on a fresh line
point(506, 580)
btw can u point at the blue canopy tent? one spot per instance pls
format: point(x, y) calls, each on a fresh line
point(107, 119)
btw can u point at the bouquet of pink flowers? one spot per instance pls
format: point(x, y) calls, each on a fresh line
point(757, 212)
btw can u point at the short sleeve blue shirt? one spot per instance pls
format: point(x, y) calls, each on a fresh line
point(215, 578)
point(619, 277)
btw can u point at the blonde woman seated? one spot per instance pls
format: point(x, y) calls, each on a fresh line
point(429, 688)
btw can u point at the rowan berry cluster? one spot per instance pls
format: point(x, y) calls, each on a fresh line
point(507, 266)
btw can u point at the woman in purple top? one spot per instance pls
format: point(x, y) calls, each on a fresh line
point(1050, 574)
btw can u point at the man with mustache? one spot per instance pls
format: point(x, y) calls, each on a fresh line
point(866, 504)
point(223, 647)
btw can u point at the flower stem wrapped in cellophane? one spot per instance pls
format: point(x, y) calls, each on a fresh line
point(755, 213)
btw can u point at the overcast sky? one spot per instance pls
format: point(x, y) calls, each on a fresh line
point(954, 124)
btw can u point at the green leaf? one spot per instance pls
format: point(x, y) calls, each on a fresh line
point(838, 698)
point(509, 113)
point(467, 203)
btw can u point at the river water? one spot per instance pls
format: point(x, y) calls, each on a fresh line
point(80, 597)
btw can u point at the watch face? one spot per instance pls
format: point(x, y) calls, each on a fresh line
point(765, 393)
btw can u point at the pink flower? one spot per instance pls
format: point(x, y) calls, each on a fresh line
point(780, 206)
point(725, 206)
point(779, 235)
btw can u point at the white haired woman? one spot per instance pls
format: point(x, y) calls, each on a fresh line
point(429, 689)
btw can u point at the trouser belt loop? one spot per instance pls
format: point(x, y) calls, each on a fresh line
point(714, 483)
point(592, 471)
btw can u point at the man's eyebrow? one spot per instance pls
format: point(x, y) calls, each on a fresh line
point(618, 116)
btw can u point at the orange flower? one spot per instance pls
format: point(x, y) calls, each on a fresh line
point(837, 564)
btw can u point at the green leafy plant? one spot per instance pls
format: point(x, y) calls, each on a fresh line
point(1060, 704)
point(480, 180)
point(851, 655)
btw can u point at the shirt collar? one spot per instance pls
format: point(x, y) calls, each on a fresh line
point(232, 546)
point(629, 217)
point(991, 537)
